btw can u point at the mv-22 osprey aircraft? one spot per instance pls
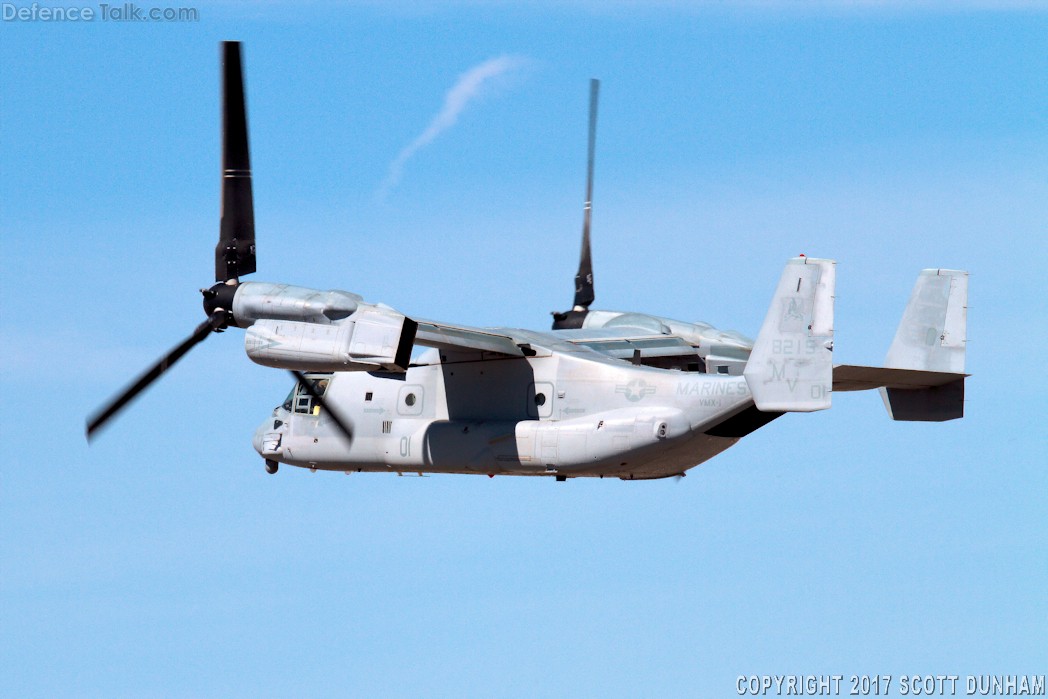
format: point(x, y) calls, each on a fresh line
point(628, 395)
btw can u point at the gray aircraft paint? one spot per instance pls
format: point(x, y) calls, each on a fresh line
point(549, 403)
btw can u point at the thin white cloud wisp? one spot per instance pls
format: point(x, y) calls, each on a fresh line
point(468, 87)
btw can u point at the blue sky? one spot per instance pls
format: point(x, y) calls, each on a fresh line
point(163, 560)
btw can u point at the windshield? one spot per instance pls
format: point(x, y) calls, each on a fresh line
point(301, 401)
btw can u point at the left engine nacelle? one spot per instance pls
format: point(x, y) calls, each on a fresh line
point(372, 338)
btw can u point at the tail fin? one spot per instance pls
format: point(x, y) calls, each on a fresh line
point(932, 336)
point(923, 379)
point(791, 367)
point(934, 328)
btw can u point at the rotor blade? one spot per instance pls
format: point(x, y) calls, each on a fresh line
point(214, 322)
point(311, 390)
point(235, 252)
point(584, 278)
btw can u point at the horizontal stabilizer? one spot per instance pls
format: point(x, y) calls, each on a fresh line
point(791, 367)
point(847, 377)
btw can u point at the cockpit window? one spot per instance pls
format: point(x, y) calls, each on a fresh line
point(301, 401)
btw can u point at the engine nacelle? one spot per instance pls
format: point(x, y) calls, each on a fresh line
point(256, 301)
point(373, 338)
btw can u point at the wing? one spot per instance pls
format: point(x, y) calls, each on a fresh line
point(660, 342)
point(461, 338)
point(645, 346)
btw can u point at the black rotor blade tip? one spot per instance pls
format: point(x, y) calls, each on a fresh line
point(99, 420)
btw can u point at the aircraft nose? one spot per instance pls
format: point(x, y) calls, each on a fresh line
point(269, 437)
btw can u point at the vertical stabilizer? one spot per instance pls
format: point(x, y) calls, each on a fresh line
point(934, 328)
point(932, 336)
point(791, 365)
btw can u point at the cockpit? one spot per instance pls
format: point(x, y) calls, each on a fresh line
point(301, 401)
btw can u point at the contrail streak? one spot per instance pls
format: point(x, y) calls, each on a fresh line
point(466, 89)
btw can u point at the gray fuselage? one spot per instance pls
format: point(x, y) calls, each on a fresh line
point(566, 411)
